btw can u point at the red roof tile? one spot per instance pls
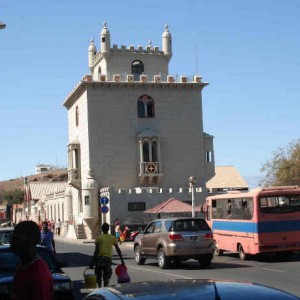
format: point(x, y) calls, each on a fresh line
point(170, 206)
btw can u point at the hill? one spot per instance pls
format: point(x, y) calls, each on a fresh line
point(18, 183)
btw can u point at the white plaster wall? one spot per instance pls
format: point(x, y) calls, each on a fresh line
point(114, 126)
point(120, 63)
point(80, 132)
point(119, 203)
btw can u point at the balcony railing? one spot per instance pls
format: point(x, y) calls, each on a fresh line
point(74, 177)
point(150, 169)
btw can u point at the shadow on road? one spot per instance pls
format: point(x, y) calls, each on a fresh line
point(195, 266)
point(74, 259)
point(270, 257)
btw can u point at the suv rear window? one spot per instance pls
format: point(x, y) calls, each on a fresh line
point(187, 225)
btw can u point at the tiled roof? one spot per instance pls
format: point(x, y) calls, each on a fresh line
point(170, 206)
point(227, 177)
point(39, 189)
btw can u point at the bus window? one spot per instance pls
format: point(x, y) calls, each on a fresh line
point(247, 209)
point(219, 209)
point(229, 209)
point(279, 204)
point(236, 209)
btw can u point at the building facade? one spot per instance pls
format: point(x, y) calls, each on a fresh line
point(135, 134)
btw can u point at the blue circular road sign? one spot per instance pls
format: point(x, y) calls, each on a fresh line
point(104, 200)
point(104, 209)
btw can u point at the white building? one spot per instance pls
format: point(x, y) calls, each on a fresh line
point(135, 134)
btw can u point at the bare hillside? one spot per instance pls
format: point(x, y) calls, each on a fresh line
point(18, 183)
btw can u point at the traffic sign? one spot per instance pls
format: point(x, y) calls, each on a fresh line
point(104, 200)
point(104, 209)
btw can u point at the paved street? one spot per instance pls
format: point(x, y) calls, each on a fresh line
point(270, 271)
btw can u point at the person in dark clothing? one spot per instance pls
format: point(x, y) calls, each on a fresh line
point(33, 279)
point(47, 238)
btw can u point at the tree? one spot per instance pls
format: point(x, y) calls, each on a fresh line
point(13, 197)
point(284, 167)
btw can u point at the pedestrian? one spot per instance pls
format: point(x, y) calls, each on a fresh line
point(118, 232)
point(47, 238)
point(40, 225)
point(32, 279)
point(103, 255)
point(58, 226)
point(52, 226)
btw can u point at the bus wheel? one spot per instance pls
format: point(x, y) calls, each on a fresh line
point(242, 254)
point(217, 250)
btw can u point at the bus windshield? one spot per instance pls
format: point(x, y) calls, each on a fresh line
point(279, 204)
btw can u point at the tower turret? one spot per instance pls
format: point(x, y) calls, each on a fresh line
point(167, 42)
point(92, 52)
point(105, 39)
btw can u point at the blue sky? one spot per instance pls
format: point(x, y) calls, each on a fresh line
point(247, 50)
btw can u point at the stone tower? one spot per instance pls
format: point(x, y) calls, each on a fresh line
point(135, 129)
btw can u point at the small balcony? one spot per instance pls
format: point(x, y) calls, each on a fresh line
point(149, 172)
point(74, 177)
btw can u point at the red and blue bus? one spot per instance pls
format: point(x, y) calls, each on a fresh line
point(263, 220)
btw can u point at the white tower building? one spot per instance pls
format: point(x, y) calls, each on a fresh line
point(135, 134)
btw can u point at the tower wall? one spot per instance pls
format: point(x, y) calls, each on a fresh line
point(114, 127)
point(119, 200)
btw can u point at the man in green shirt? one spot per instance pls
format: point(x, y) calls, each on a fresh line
point(103, 255)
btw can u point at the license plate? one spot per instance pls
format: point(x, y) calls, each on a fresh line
point(193, 238)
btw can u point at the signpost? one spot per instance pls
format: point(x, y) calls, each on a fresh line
point(104, 209)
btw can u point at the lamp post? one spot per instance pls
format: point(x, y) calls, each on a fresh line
point(192, 180)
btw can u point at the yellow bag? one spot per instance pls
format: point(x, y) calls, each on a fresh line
point(122, 238)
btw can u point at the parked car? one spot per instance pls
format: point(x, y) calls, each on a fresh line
point(175, 240)
point(5, 235)
point(190, 289)
point(63, 288)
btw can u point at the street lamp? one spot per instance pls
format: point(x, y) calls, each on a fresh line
point(2, 25)
point(192, 180)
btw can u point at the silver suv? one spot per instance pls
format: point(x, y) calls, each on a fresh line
point(173, 240)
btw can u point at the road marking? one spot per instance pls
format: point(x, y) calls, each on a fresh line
point(274, 270)
point(160, 272)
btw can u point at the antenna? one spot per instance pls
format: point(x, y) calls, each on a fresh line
point(196, 59)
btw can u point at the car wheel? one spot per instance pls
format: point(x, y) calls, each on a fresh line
point(139, 259)
point(217, 250)
point(242, 254)
point(205, 261)
point(162, 259)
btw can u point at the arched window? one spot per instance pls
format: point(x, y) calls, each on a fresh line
point(99, 70)
point(145, 107)
point(154, 150)
point(150, 150)
point(141, 109)
point(77, 116)
point(146, 153)
point(137, 69)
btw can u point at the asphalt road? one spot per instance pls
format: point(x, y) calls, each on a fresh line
point(270, 270)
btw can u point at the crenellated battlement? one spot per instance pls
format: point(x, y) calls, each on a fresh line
point(159, 80)
point(144, 78)
point(130, 49)
point(139, 49)
point(149, 191)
